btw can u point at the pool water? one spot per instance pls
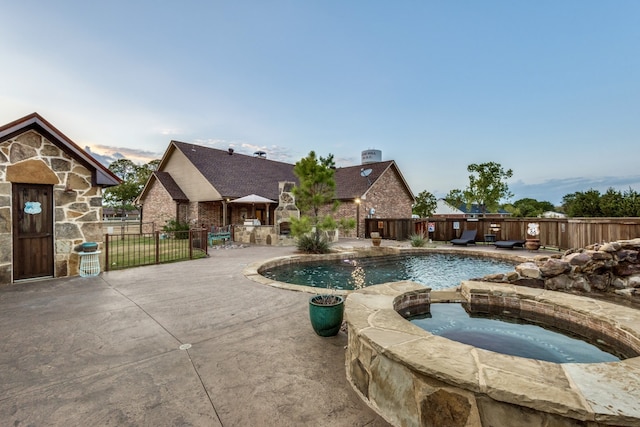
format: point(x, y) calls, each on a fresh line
point(512, 337)
point(437, 271)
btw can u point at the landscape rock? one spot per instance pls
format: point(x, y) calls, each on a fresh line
point(612, 267)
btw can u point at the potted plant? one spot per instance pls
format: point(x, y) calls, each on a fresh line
point(375, 238)
point(326, 312)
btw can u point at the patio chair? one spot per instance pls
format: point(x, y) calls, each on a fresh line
point(509, 244)
point(467, 237)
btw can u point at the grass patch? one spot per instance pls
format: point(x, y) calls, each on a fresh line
point(137, 250)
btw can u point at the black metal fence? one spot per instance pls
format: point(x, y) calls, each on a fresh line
point(134, 250)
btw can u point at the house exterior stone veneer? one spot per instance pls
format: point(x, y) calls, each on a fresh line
point(43, 163)
point(77, 204)
point(207, 180)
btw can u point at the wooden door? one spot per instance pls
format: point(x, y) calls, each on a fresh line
point(32, 231)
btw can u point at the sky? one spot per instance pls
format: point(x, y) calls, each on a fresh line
point(548, 88)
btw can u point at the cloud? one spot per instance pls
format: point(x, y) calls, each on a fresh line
point(553, 190)
point(106, 154)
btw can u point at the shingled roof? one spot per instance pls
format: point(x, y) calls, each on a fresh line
point(350, 183)
point(170, 185)
point(235, 175)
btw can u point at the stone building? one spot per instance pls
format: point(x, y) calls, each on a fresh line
point(198, 185)
point(51, 200)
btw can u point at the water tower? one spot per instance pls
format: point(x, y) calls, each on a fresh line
point(371, 156)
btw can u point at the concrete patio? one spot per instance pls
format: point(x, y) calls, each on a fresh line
point(184, 344)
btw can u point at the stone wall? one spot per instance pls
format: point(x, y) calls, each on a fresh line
point(268, 235)
point(603, 268)
point(31, 158)
point(414, 378)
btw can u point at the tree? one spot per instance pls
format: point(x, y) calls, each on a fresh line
point(528, 207)
point(631, 203)
point(610, 204)
point(425, 205)
point(133, 177)
point(455, 198)
point(315, 191)
point(486, 187)
point(581, 204)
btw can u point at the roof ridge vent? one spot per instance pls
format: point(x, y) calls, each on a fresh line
point(230, 151)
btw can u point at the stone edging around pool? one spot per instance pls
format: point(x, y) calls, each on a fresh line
point(252, 271)
point(414, 378)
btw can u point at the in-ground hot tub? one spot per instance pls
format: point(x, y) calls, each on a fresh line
point(412, 377)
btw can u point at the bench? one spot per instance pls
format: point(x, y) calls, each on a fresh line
point(219, 234)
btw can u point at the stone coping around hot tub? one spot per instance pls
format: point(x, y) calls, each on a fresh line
point(387, 352)
point(253, 271)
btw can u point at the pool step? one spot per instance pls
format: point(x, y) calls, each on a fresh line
point(446, 296)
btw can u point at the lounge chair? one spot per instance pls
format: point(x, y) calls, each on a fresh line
point(467, 237)
point(509, 244)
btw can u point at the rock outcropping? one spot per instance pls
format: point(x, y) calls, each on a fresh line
point(604, 268)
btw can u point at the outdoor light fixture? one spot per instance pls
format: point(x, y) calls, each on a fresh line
point(357, 217)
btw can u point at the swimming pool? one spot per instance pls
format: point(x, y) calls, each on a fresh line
point(515, 337)
point(435, 270)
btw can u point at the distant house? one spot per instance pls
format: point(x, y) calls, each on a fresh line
point(52, 200)
point(552, 214)
point(445, 210)
point(198, 185)
point(109, 213)
point(475, 211)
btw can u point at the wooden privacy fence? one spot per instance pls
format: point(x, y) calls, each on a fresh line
point(560, 233)
point(133, 250)
point(564, 233)
point(394, 228)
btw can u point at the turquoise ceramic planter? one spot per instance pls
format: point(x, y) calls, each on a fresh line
point(326, 319)
point(89, 247)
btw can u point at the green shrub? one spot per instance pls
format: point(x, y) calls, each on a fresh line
point(346, 225)
point(418, 240)
point(309, 244)
point(179, 229)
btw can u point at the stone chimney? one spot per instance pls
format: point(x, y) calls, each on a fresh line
point(286, 207)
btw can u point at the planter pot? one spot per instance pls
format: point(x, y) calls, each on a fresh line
point(532, 244)
point(326, 319)
point(89, 247)
point(376, 241)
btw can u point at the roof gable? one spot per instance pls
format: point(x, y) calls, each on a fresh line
point(102, 175)
point(236, 175)
point(170, 185)
point(444, 208)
